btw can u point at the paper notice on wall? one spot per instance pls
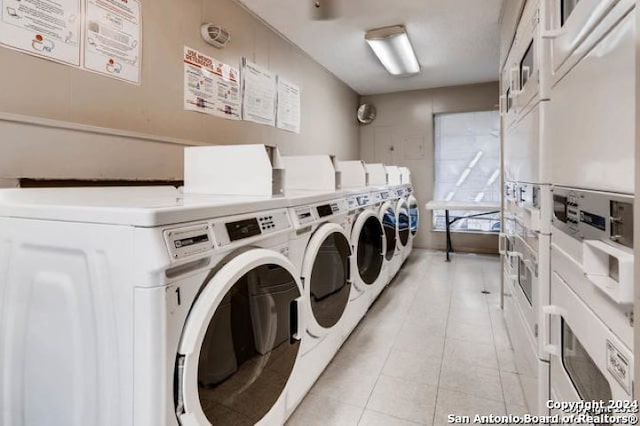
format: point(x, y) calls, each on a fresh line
point(113, 38)
point(288, 117)
point(210, 86)
point(259, 94)
point(45, 28)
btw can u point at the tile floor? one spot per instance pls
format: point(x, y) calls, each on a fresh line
point(433, 344)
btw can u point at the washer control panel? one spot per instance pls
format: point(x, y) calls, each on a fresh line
point(231, 229)
point(363, 200)
point(352, 203)
point(594, 215)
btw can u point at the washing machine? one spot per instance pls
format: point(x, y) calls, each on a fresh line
point(412, 206)
point(395, 218)
point(321, 253)
point(146, 306)
point(367, 237)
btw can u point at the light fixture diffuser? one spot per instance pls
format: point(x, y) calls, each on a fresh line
point(393, 48)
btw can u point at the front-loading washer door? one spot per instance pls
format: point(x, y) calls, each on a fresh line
point(414, 215)
point(368, 240)
point(326, 277)
point(389, 220)
point(402, 218)
point(240, 341)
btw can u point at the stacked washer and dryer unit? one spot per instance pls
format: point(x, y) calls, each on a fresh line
point(568, 199)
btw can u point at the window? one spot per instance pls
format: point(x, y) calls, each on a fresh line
point(467, 167)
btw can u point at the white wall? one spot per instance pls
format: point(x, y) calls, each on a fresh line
point(152, 127)
point(403, 134)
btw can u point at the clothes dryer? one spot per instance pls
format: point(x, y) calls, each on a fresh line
point(367, 232)
point(127, 307)
point(322, 256)
point(413, 207)
point(398, 195)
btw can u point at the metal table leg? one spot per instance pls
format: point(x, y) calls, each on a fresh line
point(448, 224)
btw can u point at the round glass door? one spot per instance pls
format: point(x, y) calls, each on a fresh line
point(403, 223)
point(414, 215)
point(248, 351)
point(329, 283)
point(370, 250)
point(390, 231)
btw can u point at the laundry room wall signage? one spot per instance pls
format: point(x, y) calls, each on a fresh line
point(46, 28)
point(101, 36)
point(210, 86)
point(113, 38)
point(258, 94)
point(288, 110)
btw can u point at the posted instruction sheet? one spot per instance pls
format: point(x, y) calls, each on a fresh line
point(113, 44)
point(288, 106)
point(45, 28)
point(210, 86)
point(259, 94)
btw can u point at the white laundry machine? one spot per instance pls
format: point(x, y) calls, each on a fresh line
point(367, 236)
point(395, 218)
point(320, 250)
point(412, 206)
point(147, 307)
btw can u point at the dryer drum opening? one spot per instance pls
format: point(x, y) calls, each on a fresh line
point(249, 335)
point(369, 250)
point(330, 284)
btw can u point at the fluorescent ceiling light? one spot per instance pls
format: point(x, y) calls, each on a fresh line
point(393, 48)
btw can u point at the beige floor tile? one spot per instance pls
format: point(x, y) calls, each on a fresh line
point(468, 300)
point(402, 399)
point(512, 388)
point(350, 384)
point(373, 418)
point(387, 371)
point(424, 339)
point(461, 376)
point(478, 354)
point(413, 367)
point(477, 333)
point(460, 404)
point(321, 411)
point(354, 357)
point(517, 410)
point(480, 317)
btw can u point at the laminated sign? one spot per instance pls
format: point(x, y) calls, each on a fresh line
point(45, 28)
point(210, 86)
point(113, 44)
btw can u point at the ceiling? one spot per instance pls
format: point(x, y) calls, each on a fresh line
point(456, 41)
